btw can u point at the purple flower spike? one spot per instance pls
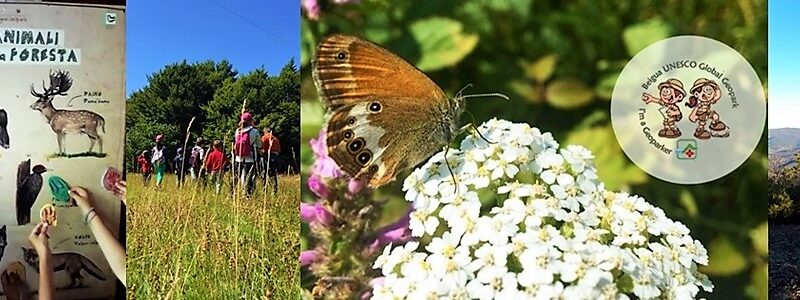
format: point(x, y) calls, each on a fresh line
point(315, 213)
point(372, 283)
point(317, 186)
point(308, 257)
point(377, 281)
point(308, 212)
point(395, 233)
point(324, 166)
point(312, 9)
point(355, 186)
point(324, 217)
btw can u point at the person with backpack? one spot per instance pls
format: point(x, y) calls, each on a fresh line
point(144, 166)
point(180, 166)
point(270, 154)
point(246, 143)
point(159, 159)
point(196, 159)
point(214, 165)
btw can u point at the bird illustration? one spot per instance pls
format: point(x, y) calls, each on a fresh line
point(4, 142)
point(29, 184)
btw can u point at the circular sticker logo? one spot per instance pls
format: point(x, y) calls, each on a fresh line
point(688, 109)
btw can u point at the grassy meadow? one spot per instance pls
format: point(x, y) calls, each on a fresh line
point(189, 243)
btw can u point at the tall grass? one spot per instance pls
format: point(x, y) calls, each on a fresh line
point(189, 243)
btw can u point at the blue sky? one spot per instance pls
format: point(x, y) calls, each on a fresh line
point(784, 64)
point(250, 34)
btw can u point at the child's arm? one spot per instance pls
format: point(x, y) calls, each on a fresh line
point(39, 239)
point(109, 244)
point(46, 288)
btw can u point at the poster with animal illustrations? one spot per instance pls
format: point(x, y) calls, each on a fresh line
point(62, 122)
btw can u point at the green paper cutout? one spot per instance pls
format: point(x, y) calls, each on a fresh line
point(59, 188)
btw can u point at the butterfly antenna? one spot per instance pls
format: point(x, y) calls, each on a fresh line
point(476, 128)
point(458, 95)
point(486, 95)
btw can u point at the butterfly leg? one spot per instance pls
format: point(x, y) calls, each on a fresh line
point(447, 163)
point(472, 124)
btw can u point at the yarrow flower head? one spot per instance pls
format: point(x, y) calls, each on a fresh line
point(521, 218)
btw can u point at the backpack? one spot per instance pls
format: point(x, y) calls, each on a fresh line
point(242, 146)
point(268, 143)
point(194, 160)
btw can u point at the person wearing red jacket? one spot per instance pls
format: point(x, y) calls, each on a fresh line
point(214, 164)
point(270, 158)
point(144, 166)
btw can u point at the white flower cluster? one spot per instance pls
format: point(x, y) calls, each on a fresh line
point(520, 219)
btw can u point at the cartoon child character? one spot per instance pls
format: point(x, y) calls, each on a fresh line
point(705, 93)
point(671, 92)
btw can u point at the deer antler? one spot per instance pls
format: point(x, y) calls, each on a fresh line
point(60, 83)
point(34, 93)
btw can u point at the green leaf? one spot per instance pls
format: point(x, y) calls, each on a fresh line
point(442, 42)
point(514, 265)
point(308, 43)
point(597, 117)
point(605, 87)
point(393, 210)
point(526, 90)
point(313, 115)
point(478, 17)
point(689, 203)
point(638, 36)
point(521, 8)
point(759, 282)
point(377, 32)
point(612, 166)
point(542, 69)
point(625, 283)
point(760, 236)
point(725, 259)
point(568, 93)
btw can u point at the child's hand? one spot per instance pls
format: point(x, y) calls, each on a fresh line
point(122, 191)
point(39, 239)
point(82, 198)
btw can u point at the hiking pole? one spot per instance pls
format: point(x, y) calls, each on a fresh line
point(185, 142)
point(294, 159)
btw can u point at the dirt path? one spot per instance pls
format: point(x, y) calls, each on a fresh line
point(784, 261)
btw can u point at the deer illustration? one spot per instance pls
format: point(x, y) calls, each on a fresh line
point(66, 121)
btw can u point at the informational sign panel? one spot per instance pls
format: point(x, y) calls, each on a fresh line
point(62, 123)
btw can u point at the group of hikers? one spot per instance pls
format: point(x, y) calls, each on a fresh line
point(252, 154)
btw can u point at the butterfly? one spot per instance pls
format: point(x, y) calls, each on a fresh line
point(384, 115)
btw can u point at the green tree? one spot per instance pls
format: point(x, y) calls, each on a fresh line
point(140, 138)
point(273, 100)
point(212, 94)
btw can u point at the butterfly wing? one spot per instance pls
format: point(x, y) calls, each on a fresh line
point(375, 146)
point(385, 115)
point(350, 70)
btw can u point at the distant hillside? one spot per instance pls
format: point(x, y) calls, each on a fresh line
point(783, 144)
